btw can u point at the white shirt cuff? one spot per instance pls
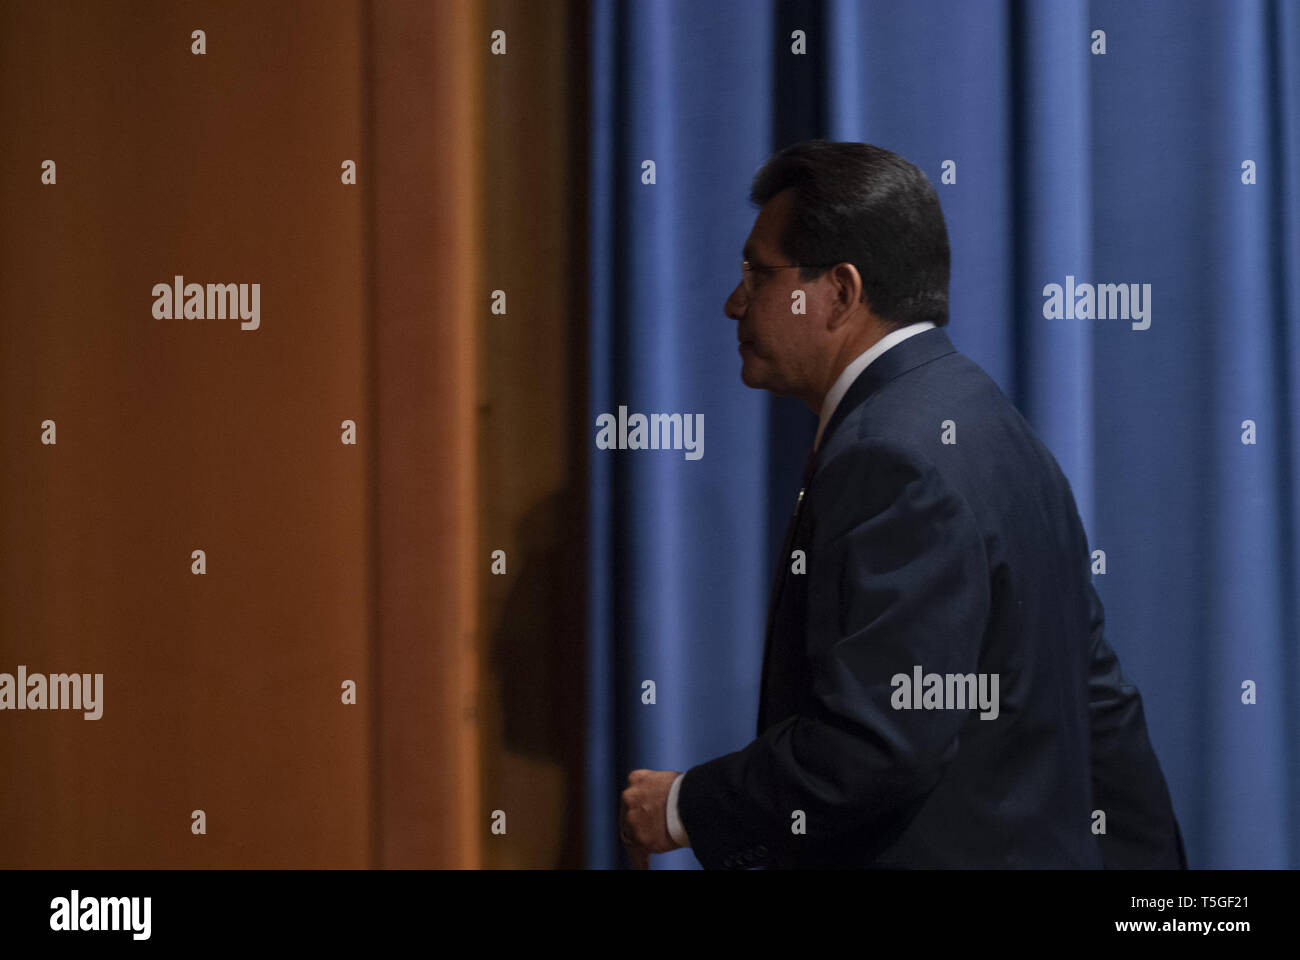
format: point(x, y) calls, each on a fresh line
point(675, 828)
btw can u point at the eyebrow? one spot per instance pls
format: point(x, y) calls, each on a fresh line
point(748, 252)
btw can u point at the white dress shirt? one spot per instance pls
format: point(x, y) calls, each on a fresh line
point(833, 398)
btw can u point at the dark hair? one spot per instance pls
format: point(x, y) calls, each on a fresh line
point(869, 207)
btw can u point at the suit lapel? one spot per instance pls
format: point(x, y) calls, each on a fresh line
point(782, 571)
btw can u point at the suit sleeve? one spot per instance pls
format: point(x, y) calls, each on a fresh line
point(1141, 829)
point(897, 577)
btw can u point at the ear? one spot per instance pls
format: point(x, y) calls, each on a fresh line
point(846, 286)
point(844, 293)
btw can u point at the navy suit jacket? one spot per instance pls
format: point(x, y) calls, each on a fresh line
point(961, 558)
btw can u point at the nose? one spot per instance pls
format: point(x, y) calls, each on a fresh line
point(734, 308)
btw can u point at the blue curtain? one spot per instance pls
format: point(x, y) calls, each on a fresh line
point(1126, 166)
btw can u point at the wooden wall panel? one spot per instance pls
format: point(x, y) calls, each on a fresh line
point(325, 561)
point(221, 691)
point(533, 436)
point(425, 110)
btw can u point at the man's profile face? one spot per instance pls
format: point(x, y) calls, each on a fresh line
point(779, 346)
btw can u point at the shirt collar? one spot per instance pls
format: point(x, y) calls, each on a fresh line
point(857, 365)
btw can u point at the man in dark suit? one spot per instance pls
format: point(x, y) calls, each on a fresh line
point(937, 687)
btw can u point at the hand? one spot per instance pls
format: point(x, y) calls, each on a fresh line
point(643, 815)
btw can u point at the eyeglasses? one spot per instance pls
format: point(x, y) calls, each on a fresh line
point(747, 268)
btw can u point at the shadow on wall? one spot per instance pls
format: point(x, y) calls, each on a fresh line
point(537, 669)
